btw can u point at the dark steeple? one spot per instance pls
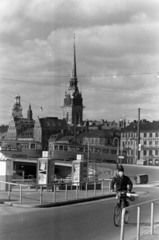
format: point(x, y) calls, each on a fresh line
point(73, 102)
point(29, 113)
point(73, 79)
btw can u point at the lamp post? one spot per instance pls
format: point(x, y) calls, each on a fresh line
point(134, 147)
point(117, 148)
point(87, 140)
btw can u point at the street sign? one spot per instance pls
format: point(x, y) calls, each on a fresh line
point(121, 157)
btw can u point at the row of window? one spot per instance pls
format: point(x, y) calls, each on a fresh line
point(151, 152)
point(145, 152)
point(81, 149)
point(96, 141)
point(150, 142)
point(132, 143)
point(134, 134)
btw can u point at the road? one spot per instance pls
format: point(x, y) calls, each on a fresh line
point(86, 221)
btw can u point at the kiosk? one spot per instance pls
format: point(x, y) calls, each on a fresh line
point(45, 170)
point(6, 171)
point(79, 170)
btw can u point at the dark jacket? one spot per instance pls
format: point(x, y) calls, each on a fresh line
point(121, 183)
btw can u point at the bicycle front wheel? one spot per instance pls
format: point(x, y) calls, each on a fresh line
point(127, 214)
point(117, 215)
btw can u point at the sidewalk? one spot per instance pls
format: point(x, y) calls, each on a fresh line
point(148, 236)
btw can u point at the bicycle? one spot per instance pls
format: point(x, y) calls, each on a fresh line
point(123, 197)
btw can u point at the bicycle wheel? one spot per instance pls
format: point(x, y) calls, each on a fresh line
point(117, 215)
point(127, 214)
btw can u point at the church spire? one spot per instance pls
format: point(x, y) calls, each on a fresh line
point(74, 73)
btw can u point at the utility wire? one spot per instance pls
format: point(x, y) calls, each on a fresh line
point(85, 76)
point(95, 89)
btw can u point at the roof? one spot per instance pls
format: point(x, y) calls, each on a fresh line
point(60, 138)
point(52, 123)
point(144, 126)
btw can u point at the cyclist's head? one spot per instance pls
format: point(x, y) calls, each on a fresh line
point(120, 170)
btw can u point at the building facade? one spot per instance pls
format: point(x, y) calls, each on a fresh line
point(73, 101)
point(17, 124)
point(149, 142)
point(45, 127)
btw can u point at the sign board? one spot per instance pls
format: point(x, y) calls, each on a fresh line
point(80, 157)
point(76, 172)
point(45, 170)
point(45, 154)
point(42, 171)
point(121, 157)
point(79, 171)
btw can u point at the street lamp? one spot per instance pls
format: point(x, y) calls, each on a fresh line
point(117, 148)
point(87, 140)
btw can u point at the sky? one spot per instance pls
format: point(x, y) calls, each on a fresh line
point(117, 56)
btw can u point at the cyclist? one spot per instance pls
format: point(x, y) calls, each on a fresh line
point(123, 183)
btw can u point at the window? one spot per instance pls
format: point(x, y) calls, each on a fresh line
point(150, 142)
point(145, 152)
point(150, 152)
point(156, 152)
point(145, 134)
point(65, 148)
point(156, 142)
point(106, 151)
point(150, 134)
point(113, 152)
point(156, 134)
point(79, 149)
point(56, 147)
point(145, 142)
point(32, 146)
point(61, 147)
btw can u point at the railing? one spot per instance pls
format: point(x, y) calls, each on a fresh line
point(138, 206)
point(10, 184)
point(76, 186)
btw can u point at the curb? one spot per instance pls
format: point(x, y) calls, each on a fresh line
point(56, 204)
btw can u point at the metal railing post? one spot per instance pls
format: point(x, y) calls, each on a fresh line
point(122, 224)
point(102, 187)
point(109, 186)
point(9, 187)
point(77, 191)
point(40, 194)
point(94, 188)
point(66, 191)
point(152, 218)
point(138, 222)
point(54, 194)
point(86, 190)
point(20, 194)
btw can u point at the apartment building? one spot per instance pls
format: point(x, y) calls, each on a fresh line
point(149, 142)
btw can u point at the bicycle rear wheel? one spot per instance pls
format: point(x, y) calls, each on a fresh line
point(117, 215)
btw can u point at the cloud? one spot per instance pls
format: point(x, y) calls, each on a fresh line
point(114, 41)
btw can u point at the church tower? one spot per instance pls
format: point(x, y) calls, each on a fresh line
point(29, 113)
point(73, 102)
point(17, 109)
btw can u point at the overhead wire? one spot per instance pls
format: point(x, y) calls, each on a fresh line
point(96, 89)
